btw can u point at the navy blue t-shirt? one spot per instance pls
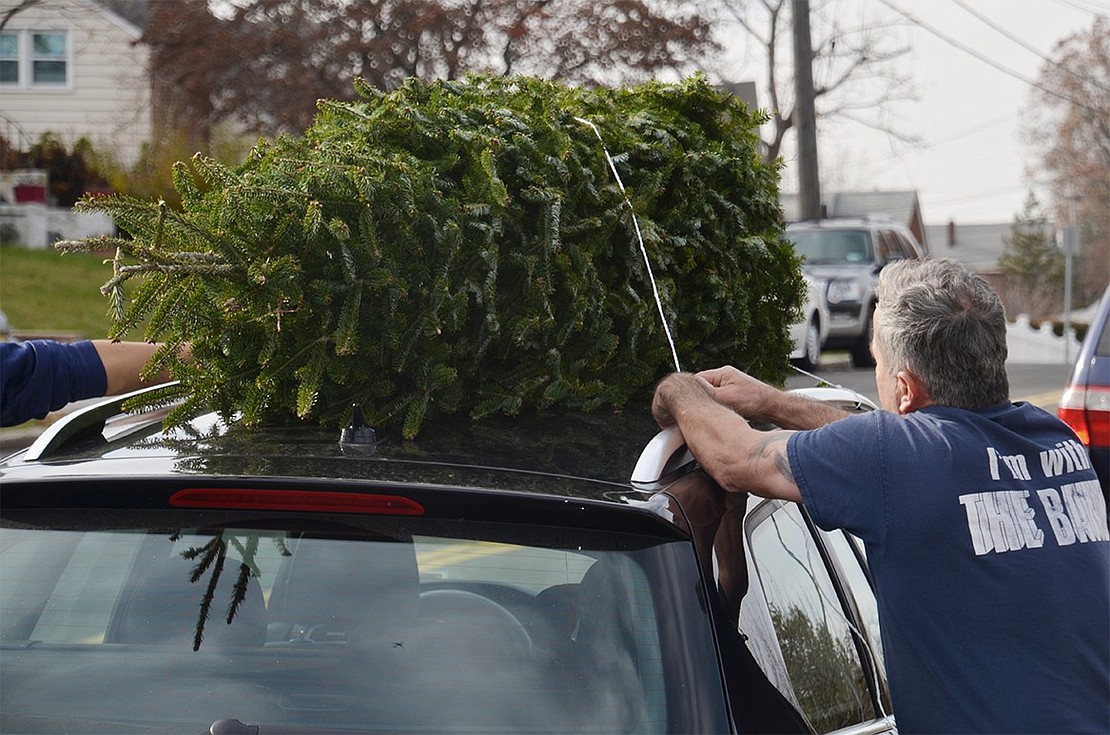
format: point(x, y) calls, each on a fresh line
point(40, 376)
point(987, 540)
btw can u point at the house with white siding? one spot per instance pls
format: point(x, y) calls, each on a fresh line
point(75, 69)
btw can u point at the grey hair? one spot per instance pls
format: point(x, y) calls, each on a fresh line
point(946, 326)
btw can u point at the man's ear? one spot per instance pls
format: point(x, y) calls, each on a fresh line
point(910, 393)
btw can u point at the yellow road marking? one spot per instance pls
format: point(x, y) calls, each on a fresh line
point(455, 553)
point(1044, 400)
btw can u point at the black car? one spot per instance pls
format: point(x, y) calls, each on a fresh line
point(502, 576)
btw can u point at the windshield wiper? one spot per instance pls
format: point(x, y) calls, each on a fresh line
point(232, 726)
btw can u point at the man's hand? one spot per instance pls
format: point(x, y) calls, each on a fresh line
point(756, 401)
point(739, 391)
point(674, 390)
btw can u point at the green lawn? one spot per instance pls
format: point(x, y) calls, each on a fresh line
point(46, 292)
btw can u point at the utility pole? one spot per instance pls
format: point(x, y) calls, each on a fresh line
point(809, 189)
point(1071, 247)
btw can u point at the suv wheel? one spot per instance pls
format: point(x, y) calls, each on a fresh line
point(861, 350)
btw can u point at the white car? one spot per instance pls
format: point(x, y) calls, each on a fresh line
point(809, 332)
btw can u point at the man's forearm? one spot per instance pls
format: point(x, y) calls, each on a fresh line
point(757, 401)
point(793, 411)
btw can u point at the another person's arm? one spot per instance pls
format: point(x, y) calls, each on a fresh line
point(40, 376)
point(123, 362)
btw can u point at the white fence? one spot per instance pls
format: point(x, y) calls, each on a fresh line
point(37, 226)
point(1030, 345)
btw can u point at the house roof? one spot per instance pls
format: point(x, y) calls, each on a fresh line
point(978, 246)
point(135, 12)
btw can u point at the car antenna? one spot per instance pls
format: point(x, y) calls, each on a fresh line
point(357, 438)
point(640, 238)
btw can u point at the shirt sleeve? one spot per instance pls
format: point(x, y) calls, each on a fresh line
point(40, 376)
point(838, 469)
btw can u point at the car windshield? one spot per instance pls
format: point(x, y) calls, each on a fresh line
point(832, 247)
point(418, 625)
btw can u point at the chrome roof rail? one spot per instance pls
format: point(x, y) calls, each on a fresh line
point(84, 423)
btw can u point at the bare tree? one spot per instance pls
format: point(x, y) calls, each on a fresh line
point(16, 9)
point(269, 61)
point(184, 38)
point(589, 42)
point(1068, 128)
point(856, 65)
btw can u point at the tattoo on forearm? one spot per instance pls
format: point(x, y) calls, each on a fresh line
point(782, 462)
point(774, 446)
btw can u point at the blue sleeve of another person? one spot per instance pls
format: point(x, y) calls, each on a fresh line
point(40, 376)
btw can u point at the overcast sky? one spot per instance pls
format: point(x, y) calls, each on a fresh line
point(971, 164)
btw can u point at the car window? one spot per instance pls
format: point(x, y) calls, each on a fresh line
point(910, 245)
point(893, 246)
point(850, 554)
point(510, 629)
point(820, 655)
point(831, 247)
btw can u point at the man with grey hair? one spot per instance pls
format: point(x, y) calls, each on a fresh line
point(984, 524)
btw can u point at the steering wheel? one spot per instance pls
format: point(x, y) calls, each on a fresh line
point(475, 620)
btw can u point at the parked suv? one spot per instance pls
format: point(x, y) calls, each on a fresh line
point(845, 256)
point(504, 576)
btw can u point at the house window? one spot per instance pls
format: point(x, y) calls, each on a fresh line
point(9, 58)
point(34, 59)
point(48, 58)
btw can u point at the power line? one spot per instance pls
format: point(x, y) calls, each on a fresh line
point(987, 60)
point(983, 195)
point(1026, 46)
point(971, 131)
point(1085, 7)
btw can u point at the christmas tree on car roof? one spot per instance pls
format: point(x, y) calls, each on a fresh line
point(462, 246)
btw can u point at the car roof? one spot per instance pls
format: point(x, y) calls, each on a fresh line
point(846, 223)
point(1091, 365)
point(549, 452)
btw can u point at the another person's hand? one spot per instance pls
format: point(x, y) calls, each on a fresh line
point(124, 362)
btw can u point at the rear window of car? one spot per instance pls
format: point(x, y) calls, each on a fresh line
point(412, 625)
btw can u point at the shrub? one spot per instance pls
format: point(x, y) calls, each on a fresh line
point(151, 176)
point(70, 173)
point(464, 246)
